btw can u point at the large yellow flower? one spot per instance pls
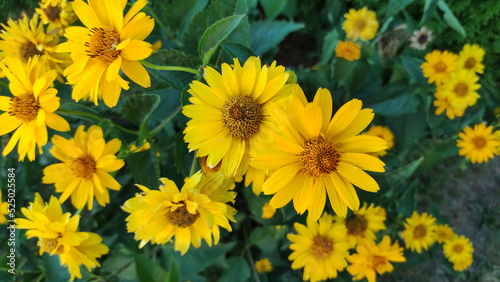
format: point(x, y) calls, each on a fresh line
point(230, 116)
point(321, 248)
point(32, 107)
point(58, 16)
point(109, 43)
point(419, 231)
point(318, 155)
point(439, 65)
point(385, 133)
point(4, 209)
point(478, 144)
point(360, 24)
point(194, 213)
point(87, 161)
point(460, 89)
point(471, 57)
point(58, 235)
point(348, 50)
point(458, 250)
point(371, 259)
point(362, 224)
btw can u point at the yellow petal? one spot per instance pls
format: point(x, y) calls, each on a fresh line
point(86, 14)
point(358, 177)
point(136, 50)
point(135, 71)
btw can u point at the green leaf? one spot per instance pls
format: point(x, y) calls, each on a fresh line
point(148, 270)
point(174, 274)
point(185, 96)
point(429, 8)
point(406, 204)
point(138, 108)
point(214, 36)
point(412, 67)
point(397, 176)
point(180, 13)
point(143, 166)
point(183, 158)
point(174, 57)
point(267, 34)
point(236, 50)
point(394, 6)
point(238, 270)
point(53, 270)
point(328, 49)
point(406, 103)
point(273, 8)
point(450, 18)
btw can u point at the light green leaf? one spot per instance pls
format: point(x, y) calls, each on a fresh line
point(450, 18)
point(138, 108)
point(329, 43)
point(267, 34)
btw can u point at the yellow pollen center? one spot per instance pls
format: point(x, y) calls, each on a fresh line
point(378, 261)
point(440, 67)
point(360, 24)
point(49, 245)
point(181, 217)
point(84, 167)
point(319, 158)
point(458, 249)
point(479, 142)
point(52, 12)
point(470, 63)
point(241, 117)
point(322, 247)
point(461, 89)
point(356, 225)
point(103, 43)
point(419, 231)
point(29, 50)
point(24, 107)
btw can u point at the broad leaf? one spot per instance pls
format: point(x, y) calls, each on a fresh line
point(138, 108)
point(236, 50)
point(273, 8)
point(267, 34)
point(238, 270)
point(450, 18)
point(404, 104)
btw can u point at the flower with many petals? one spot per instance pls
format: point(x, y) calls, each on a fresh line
point(419, 231)
point(362, 224)
point(263, 265)
point(348, 50)
point(58, 16)
point(439, 65)
point(471, 57)
point(459, 89)
point(443, 232)
point(360, 24)
point(458, 250)
point(478, 144)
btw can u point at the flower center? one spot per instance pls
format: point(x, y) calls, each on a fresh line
point(29, 50)
point(24, 107)
point(102, 44)
point(50, 244)
point(419, 231)
point(378, 261)
point(241, 117)
point(470, 63)
point(52, 12)
point(440, 67)
point(461, 89)
point(356, 225)
point(360, 24)
point(458, 249)
point(320, 157)
point(322, 247)
point(84, 167)
point(181, 217)
point(422, 39)
point(479, 142)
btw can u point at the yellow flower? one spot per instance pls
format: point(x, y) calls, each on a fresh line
point(263, 265)
point(471, 57)
point(348, 50)
point(109, 43)
point(87, 161)
point(478, 144)
point(371, 259)
point(458, 250)
point(460, 89)
point(438, 65)
point(58, 16)
point(31, 109)
point(256, 177)
point(442, 105)
point(442, 233)
point(145, 146)
point(230, 115)
point(321, 248)
point(385, 133)
point(318, 155)
point(360, 24)
point(362, 224)
point(4, 209)
point(268, 211)
point(194, 213)
point(26, 39)
point(58, 235)
point(419, 232)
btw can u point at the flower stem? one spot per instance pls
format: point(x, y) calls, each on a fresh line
point(164, 122)
point(78, 212)
point(170, 68)
point(78, 113)
point(193, 165)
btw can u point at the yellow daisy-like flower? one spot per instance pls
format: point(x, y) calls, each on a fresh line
point(460, 89)
point(360, 24)
point(318, 155)
point(321, 248)
point(26, 39)
point(58, 235)
point(385, 133)
point(268, 211)
point(348, 50)
point(362, 224)
point(4, 209)
point(439, 65)
point(442, 233)
point(419, 232)
point(194, 213)
point(263, 265)
point(230, 116)
point(371, 259)
point(471, 57)
point(32, 107)
point(58, 16)
point(109, 43)
point(87, 161)
point(458, 250)
point(442, 105)
point(478, 144)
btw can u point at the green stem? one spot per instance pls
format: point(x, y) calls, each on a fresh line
point(78, 113)
point(162, 26)
point(193, 165)
point(249, 254)
point(78, 212)
point(164, 122)
point(170, 68)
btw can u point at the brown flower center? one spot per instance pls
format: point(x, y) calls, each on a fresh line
point(479, 142)
point(320, 157)
point(440, 67)
point(28, 50)
point(378, 261)
point(181, 217)
point(419, 231)
point(50, 244)
point(24, 107)
point(241, 117)
point(470, 63)
point(84, 167)
point(356, 225)
point(461, 89)
point(422, 39)
point(322, 247)
point(458, 248)
point(360, 24)
point(103, 43)
point(52, 12)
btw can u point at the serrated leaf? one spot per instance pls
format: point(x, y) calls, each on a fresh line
point(238, 270)
point(138, 108)
point(273, 8)
point(429, 8)
point(267, 34)
point(329, 42)
point(215, 35)
point(450, 18)
point(174, 57)
point(236, 50)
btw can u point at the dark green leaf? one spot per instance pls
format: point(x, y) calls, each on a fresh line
point(180, 13)
point(397, 176)
point(236, 50)
point(238, 270)
point(174, 57)
point(450, 18)
point(406, 203)
point(183, 159)
point(185, 95)
point(412, 66)
point(267, 34)
point(138, 108)
point(148, 270)
point(394, 6)
point(329, 43)
point(53, 269)
point(174, 274)
point(273, 8)
point(143, 167)
point(404, 104)
point(429, 8)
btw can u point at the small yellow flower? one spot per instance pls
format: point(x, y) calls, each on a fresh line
point(458, 250)
point(471, 57)
point(263, 265)
point(442, 233)
point(268, 211)
point(4, 209)
point(478, 144)
point(459, 89)
point(58, 16)
point(145, 146)
point(439, 65)
point(419, 232)
point(348, 50)
point(442, 105)
point(360, 24)
point(385, 133)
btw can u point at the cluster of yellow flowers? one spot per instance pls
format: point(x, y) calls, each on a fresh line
point(421, 232)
